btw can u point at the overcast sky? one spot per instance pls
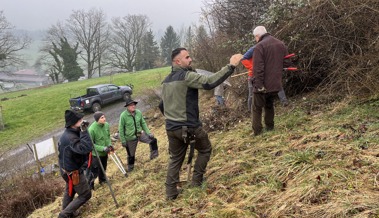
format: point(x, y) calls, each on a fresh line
point(41, 14)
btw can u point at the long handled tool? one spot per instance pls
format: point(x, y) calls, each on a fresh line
point(118, 162)
point(240, 74)
point(105, 175)
point(285, 69)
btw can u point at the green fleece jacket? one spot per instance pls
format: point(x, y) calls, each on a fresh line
point(100, 135)
point(129, 125)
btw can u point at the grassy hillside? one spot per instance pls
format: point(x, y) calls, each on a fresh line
point(34, 112)
point(318, 162)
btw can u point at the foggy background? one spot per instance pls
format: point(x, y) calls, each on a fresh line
point(40, 14)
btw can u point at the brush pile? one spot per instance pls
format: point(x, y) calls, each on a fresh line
point(337, 42)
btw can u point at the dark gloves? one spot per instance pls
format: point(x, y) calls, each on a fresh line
point(84, 125)
point(107, 149)
point(111, 148)
point(123, 144)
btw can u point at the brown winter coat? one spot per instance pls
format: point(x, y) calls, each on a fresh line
point(268, 59)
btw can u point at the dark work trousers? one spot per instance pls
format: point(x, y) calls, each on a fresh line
point(131, 147)
point(250, 97)
point(69, 204)
point(263, 101)
point(96, 170)
point(177, 151)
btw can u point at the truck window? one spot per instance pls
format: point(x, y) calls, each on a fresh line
point(113, 88)
point(103, 89)
point(92, 92)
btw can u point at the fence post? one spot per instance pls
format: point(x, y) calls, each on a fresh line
point(39, 165)
point(56, 148)
point(1, 118)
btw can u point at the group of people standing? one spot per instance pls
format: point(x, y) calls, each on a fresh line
point(180, 107)
point(83, 151)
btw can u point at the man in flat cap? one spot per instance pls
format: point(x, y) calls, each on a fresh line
point(74, 147)
point(133, 128)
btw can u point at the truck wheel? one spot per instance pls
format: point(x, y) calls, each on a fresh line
point(126, 96)
point(96, 107)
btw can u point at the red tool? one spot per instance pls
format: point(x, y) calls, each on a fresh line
point(290, 69)
point(289, 56)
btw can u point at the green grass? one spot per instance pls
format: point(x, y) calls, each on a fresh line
point(42, 109)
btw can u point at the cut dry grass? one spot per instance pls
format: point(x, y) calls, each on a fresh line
point(317, 163)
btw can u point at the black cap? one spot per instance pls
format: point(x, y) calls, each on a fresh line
point(72, 117)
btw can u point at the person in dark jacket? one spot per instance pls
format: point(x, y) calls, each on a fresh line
point(74, 147)
point(133, 128)
point(247, 62)
point(180, 106)
point(101, 138)
point(268, 59)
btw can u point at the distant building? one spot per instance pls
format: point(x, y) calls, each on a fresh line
point(28, 77)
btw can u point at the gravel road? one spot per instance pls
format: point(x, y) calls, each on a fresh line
point(17, 159)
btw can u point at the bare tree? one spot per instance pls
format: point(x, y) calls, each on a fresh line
point(52, 64)
point(102, 44)
point(90, 30)
point(10, 44)
point(127, 33)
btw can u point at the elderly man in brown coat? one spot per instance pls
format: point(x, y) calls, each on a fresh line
point(268, 59)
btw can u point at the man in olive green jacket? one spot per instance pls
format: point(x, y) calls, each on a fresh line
point(180, 106)
point(133, 128)
point(100, 135)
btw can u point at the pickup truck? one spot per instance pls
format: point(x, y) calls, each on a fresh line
point(99, 95)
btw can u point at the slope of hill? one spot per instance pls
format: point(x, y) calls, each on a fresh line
point(21, 108)
point(318, 162)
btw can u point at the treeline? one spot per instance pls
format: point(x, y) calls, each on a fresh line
point(123, 45)
point(335, 42)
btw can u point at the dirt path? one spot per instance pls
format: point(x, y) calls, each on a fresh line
point(21, 157)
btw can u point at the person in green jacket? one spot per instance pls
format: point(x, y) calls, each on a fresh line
point(133, 128)
point(100, 135)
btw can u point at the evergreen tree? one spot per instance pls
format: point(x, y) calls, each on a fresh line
point(148, 53)
point(169, 42)
point(189, 39)
point(71, 69)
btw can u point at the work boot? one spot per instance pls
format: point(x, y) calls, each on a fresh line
point(153, 149)
point(130, 167)
point(285, 103)
point(131, 163)
point(173, 197)
point(153, 154)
